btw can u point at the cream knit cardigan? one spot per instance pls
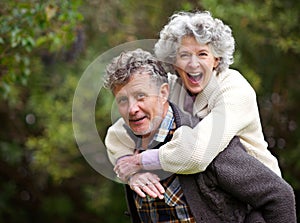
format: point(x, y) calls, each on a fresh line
point(228, 107)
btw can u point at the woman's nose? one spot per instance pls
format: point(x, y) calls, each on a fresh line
point(194, 61)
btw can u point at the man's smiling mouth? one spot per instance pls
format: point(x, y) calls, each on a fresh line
point(136, 120)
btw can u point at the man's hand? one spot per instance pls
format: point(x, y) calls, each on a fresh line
point(146, 183)
point(127, 166)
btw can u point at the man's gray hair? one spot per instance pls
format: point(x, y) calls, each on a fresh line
point(205, 29)
point(121, 68)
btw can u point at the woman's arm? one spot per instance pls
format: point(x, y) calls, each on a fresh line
point(118, 142)
point(232, 108)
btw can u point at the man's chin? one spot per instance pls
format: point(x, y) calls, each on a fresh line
point(145, 132)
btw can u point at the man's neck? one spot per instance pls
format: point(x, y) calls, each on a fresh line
point(146, 139)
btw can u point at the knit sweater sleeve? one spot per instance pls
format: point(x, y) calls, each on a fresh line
point(118, 142)
point(231, 109)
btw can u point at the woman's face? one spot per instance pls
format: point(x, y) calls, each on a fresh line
point(195, 63)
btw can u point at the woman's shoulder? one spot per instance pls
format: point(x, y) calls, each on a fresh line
point(231, 77)
point(231, 74)
point(235, 86)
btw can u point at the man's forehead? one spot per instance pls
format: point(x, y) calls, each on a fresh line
point(139, 78)
point(136, 82)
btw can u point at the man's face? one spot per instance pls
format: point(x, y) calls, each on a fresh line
point(141, 103)
point(195, 63)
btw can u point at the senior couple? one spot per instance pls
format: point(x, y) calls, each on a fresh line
point(196, 150)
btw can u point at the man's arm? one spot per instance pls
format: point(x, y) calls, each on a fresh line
point(252, 182)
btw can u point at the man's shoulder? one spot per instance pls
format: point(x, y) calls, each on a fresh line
point(183, 118)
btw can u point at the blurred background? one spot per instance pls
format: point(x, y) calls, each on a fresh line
point(45, 46)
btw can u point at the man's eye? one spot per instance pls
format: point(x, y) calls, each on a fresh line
point(140, 96)
point(122, 100)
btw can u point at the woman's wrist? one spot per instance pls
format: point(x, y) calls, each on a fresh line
point(150, 159)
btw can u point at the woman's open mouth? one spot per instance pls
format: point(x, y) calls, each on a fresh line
point(195, 78)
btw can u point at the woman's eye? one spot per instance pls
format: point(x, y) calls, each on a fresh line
point(202, 54)
point(184, 55)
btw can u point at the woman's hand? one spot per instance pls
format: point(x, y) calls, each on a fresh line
point(127, 166)
point(146, 183)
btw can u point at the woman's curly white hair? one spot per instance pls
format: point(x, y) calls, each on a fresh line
point(205, 29)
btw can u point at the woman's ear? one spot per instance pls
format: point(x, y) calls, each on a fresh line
point(216, 63)
point(164, 92)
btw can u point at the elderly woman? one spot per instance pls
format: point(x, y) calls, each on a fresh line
point(199, 49)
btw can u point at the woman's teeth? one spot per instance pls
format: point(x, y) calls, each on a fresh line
point(194, 74)
point(195, 77)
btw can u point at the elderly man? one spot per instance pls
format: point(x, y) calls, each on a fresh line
point(234, 188)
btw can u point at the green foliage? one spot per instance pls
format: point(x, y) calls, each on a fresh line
point(29, 26)
point(99, 203)
point(54, 149)
point(136, 19)
point(6, 207)
point(59, 206)
point(11, 153)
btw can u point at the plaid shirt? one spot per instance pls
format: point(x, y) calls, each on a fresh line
point(173, 208)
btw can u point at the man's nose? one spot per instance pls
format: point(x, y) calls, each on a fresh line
point(133, 107)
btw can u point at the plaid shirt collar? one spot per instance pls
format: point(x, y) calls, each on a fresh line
point(165, 126)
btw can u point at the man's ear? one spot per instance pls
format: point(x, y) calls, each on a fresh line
point(164, 92)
